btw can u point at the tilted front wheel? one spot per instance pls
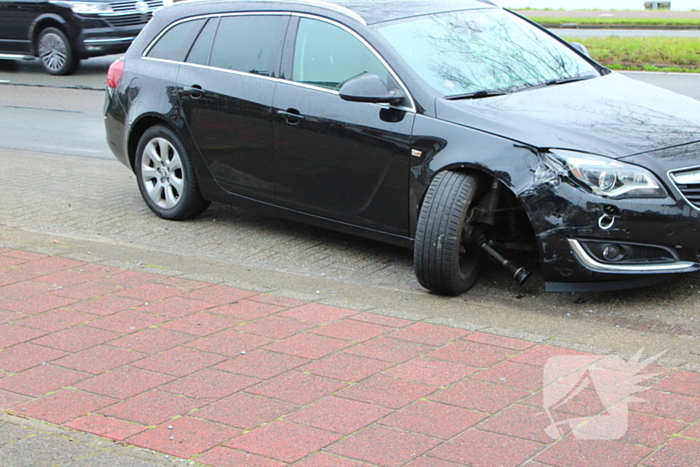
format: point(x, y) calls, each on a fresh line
point(166, 177)
point(446, 260)
point(55, 52)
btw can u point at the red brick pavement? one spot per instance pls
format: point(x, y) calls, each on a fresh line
point(228, 377)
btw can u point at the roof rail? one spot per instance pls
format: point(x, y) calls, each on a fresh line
point(335, 7)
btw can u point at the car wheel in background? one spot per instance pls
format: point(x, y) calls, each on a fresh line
point(446, 260)
point(166, 177)
point(55, 52)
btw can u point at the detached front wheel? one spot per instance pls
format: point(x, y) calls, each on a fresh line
point(446, 259)
point(166, 177)
point(55, 52)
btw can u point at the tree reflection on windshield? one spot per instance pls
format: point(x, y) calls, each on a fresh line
point(463, 53)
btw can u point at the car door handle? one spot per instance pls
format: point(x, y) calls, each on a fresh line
point(292, 116)
point(195, 91)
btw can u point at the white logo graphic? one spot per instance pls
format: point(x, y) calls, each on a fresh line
point(613, 381)
point(142, 7)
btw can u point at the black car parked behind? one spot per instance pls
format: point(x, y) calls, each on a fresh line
point(61, 33)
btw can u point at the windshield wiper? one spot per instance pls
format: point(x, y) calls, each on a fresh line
point(551, 82)
point(570, 79)
point(476, 95)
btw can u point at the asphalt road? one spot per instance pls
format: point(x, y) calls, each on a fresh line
point(575, 32)
point(53, 114)
point(84, 193)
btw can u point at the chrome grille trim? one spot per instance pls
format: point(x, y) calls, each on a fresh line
point(129, 6)
point(129, 20)
point(687, 181)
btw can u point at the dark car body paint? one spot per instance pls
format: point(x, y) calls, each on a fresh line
point(501, 137)
point(613, 116)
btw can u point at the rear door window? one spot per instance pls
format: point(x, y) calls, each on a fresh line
point(248, 43)
point(202, 46)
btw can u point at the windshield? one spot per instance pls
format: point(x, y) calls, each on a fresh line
point(477, 52)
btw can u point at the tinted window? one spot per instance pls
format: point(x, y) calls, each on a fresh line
point(328, 56)
point(176, 42)
point(202, 46)
point(247, 43)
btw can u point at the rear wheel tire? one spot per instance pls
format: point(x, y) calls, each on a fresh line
point(166, 177)
point(55, 52)
point(446, 260)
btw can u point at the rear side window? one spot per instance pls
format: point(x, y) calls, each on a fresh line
point(247, 43)
point(202, 46)
point(176, 42)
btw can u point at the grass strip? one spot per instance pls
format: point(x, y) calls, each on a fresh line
point(659, 53)
point(549, 21)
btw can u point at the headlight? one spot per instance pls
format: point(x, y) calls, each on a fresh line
point(607, 177)
point(86, 7)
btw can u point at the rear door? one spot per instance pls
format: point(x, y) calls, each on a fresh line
point(339, 160)
point(225, 89)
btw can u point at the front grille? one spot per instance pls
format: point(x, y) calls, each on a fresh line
point(691, 193)
point(130, 5)
point(688, 183)
point(129, 20)
point(131, 12)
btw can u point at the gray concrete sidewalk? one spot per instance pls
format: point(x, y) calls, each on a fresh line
point(30, 443)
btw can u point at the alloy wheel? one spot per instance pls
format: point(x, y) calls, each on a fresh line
point(162, 173)
point(53, 51)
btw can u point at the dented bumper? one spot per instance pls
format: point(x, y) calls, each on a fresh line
point(590, 243)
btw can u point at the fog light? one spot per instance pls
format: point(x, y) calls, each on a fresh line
point(627, 253)
point(613, 253)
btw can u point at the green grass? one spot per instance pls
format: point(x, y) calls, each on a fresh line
point(627, 22)
point(528, 9)
point(665, 69)
point(662, 53)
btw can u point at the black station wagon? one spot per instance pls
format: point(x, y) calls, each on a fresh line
point(455, 128)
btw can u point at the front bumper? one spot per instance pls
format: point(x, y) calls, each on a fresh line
point(106, 44)
point(105, 40)
point(590, 243)
point(112, 32)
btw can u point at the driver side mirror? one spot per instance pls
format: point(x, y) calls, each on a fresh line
point(371, 89)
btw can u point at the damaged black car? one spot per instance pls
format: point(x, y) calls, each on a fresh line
point(456, 128)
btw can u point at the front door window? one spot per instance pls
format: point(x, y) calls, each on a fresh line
point(326, 55)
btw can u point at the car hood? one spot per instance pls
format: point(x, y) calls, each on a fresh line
point(613, 115)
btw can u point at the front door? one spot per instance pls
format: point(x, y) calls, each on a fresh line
point(339, 160)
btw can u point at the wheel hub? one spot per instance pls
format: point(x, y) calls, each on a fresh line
point(164, 173)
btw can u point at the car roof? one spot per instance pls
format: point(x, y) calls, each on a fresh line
point(364, 11)
point(377, 11)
